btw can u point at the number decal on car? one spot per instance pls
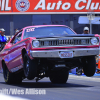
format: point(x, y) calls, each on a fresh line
point(30, 29)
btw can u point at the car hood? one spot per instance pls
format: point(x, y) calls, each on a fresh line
point(73, 35)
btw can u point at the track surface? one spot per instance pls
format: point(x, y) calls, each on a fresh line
point(76, 88)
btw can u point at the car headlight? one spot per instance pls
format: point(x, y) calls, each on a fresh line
point(94, 41)
point(36, 43)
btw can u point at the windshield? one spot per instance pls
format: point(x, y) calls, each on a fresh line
point(47, 31)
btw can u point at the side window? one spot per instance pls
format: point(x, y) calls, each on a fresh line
point(17, 38)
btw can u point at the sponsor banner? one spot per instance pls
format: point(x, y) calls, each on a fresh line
point(49, 6)
point(5, 6)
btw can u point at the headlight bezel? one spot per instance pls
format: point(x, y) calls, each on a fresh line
point(34, 43)
point(94, 41)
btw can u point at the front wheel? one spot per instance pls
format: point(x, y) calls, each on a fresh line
point(89, 67)
point(30, 67)
point(60, 76)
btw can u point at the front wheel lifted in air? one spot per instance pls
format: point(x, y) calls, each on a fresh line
point(30, 67)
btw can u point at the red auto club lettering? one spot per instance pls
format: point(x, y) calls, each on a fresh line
point(79, 5)
point(4, 5)
point(51, 6)
point(89, 5)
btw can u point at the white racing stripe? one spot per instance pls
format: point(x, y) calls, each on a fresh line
point(8, 97)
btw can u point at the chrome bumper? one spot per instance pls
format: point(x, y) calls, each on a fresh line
point(55, 53)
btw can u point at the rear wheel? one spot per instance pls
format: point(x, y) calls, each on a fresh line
point(89, 67)
point(10, 78)
point(60, 76)
point(30, 67)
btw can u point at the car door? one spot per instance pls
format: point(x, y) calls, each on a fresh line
point(15, 52)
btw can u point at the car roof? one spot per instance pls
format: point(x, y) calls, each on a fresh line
point(43, 26)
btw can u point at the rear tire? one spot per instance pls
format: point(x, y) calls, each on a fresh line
point(60, 76)
point(30, 67)
point(10, 78)
point(89, 67)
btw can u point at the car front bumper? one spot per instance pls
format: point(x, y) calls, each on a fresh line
point(56, 53)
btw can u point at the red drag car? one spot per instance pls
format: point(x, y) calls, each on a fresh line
point(48, 51)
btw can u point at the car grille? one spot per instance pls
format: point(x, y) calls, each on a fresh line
point(63, 42)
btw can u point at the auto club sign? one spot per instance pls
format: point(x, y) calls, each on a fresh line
point(48, 6)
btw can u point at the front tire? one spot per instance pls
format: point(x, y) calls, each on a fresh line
point(60, 76)
point(89, 67)
point(30, 67)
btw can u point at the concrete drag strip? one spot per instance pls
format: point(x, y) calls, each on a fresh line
point(8, 97)
point(84, 77)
